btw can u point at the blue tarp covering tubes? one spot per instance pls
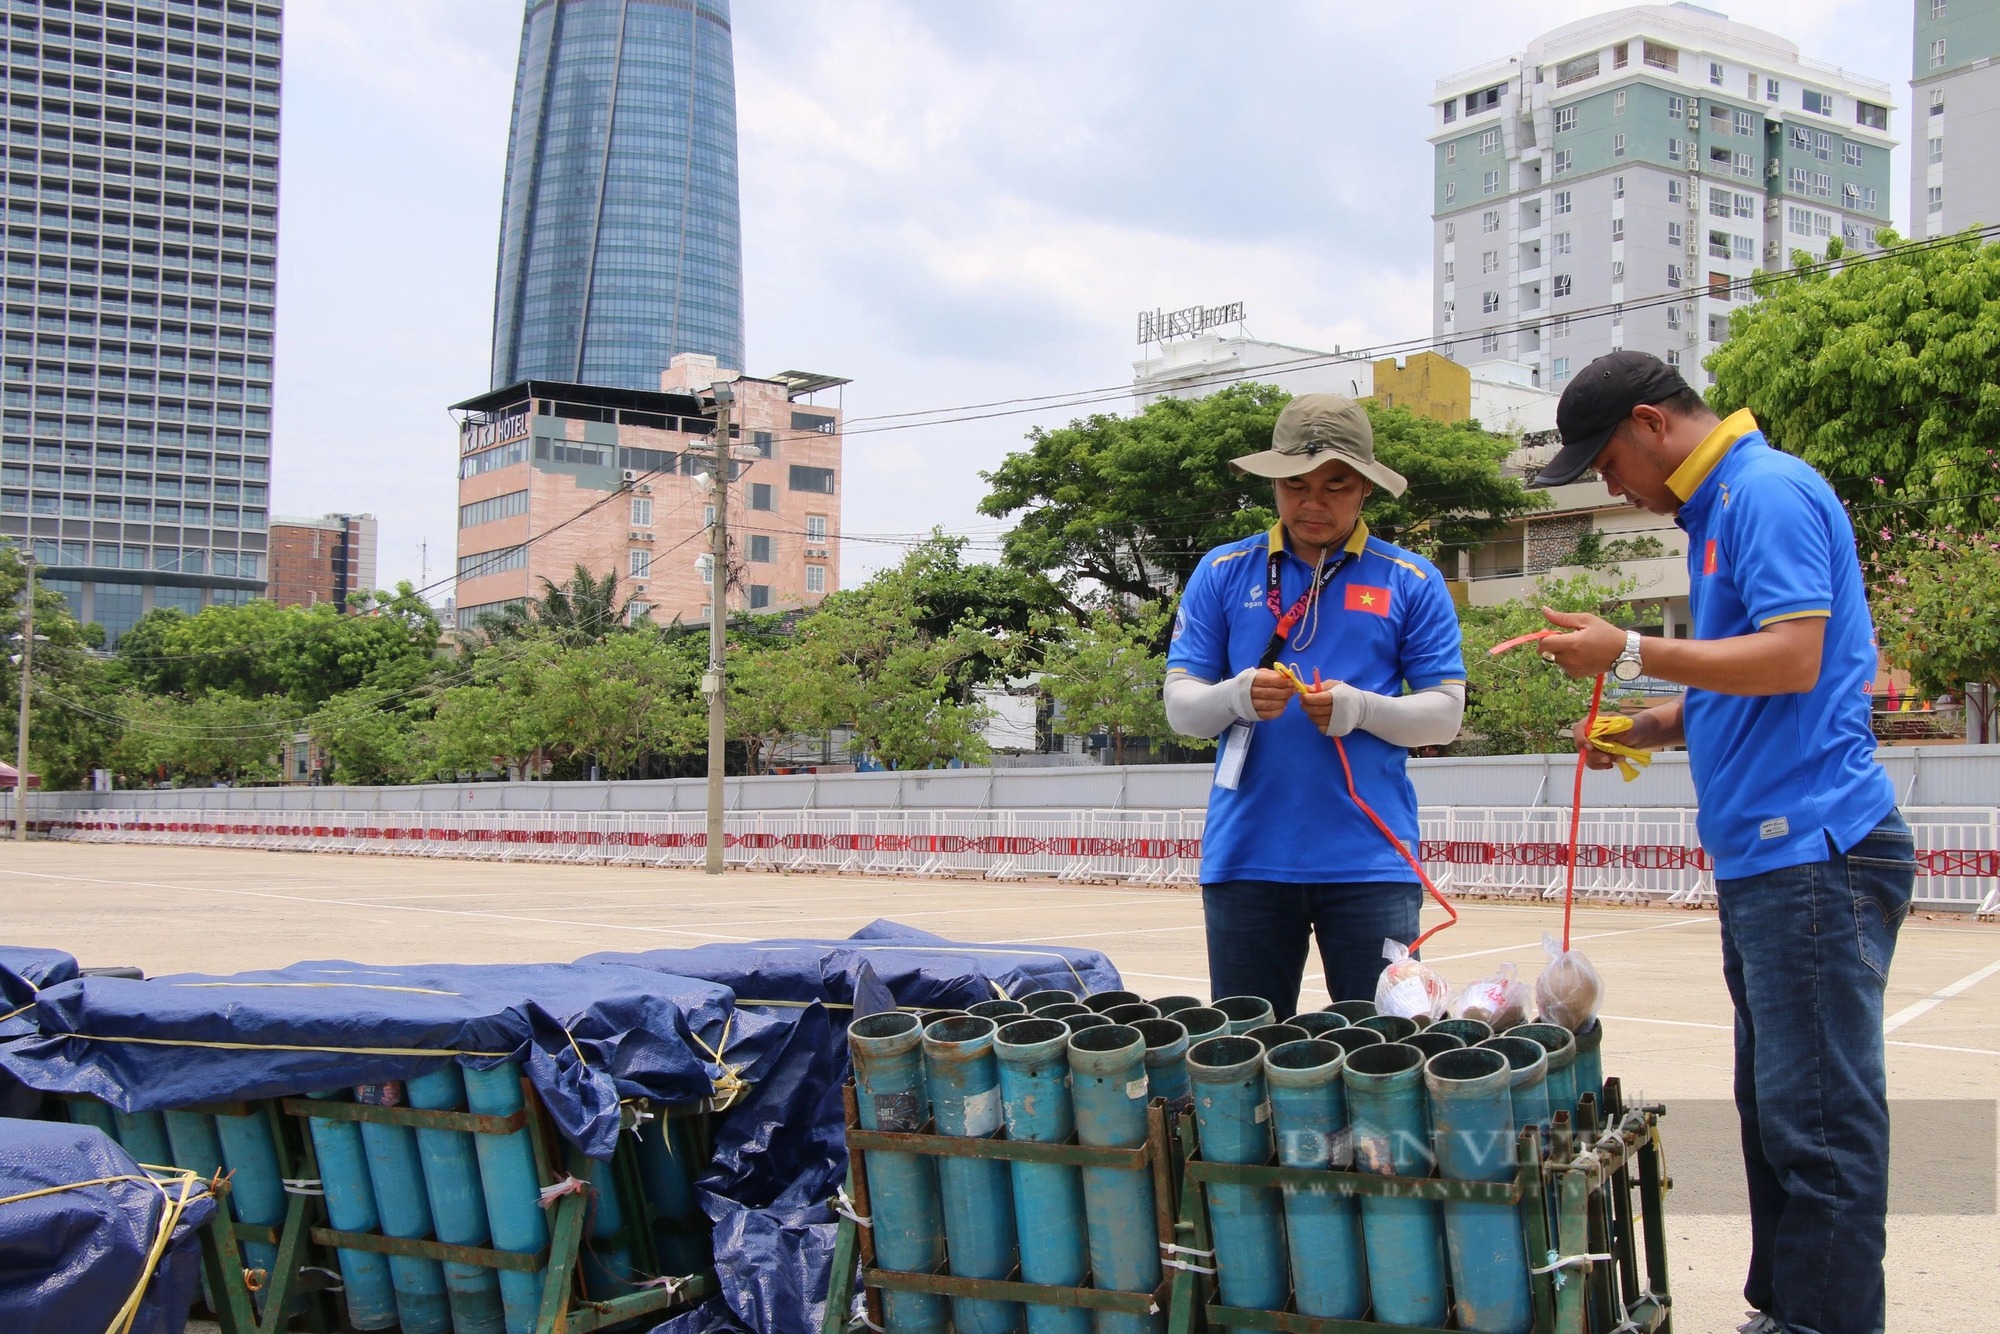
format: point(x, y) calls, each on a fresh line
point(758, 1027)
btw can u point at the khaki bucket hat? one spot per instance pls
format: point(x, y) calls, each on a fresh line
point(1314, 428)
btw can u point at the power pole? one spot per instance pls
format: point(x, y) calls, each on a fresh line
point(718, 620)
point(21, 728)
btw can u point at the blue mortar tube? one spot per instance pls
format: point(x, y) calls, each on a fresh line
point(1088, 1019)
point(999, 1011)
point(1589, 1064)
point(144, 1135)
point(1276, 1035)
point(1202, 1021)
point(1166, 1005)
point(1235, 1124)
point(963, 1080)
point(192, 1145)
point(1405, 1238)
point(350, 1207)
point(1133, 1013)
point(1352, 1010)
point(91, 1112)
point(1352, 1039)
point(257, 1185)
point(1392, 1027)
point(1430, 1043)
point(1316, 1022)
point(1166, 1061)
point(1473, 1111)
point(1245, 1012)
point(1322, 1226)
point(1471, 1032)
point(458, 1203)
point(608, 1269)
point(397, 1172)
point(907, 1216)
point(1100, 1001)
point(929, 1017)
point(1036, 1001)
point(1560, 1044)
point(507, 1176)
point(668, 1167)
point(1110, 1094)
point(1062, 1010)
point(1034, 1100)
point(1528, 1063)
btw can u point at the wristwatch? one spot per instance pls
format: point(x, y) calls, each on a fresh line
point(1627, 666)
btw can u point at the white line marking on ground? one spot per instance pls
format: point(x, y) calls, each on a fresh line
point(1937, 998)
point(1594, 935)
point(1727, 1028)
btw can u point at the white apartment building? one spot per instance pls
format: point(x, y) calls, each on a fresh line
point(1616, 183)
point(1955, 115)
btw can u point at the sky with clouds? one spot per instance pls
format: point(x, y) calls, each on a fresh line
point(949, 203)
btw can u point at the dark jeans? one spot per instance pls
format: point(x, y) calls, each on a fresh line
point(1805, 951)
point(1258, 929)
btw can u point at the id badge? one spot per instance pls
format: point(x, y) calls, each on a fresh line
point(1235, 749)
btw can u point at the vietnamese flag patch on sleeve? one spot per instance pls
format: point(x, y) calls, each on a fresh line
point(1365, 597)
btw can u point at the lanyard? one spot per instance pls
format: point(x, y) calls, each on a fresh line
point(1289, 619)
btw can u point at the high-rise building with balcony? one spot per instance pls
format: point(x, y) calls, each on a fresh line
point(141, 253)
point(1617, 183)
point(1955, 116)
point(620, 240)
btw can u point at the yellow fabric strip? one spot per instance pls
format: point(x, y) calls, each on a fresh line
point(1356, 540)
point(1687, 478)
point(1796, 616)
point(1629, 759)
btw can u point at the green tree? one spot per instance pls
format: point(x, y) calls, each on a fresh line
point(1516, 704)
point(583, 609)
point(1104, 675)
point(1937, 615)
point(372, 736)
point(1132, 503)
point(1881, 374)
point(71, 726)
point(619, 700)
point(211, 736)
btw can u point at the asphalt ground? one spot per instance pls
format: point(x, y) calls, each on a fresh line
point(1667, 1016)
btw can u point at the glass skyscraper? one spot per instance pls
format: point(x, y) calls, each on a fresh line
point(620, 240)
point(141, 252)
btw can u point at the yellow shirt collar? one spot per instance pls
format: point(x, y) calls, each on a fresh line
point(1356, 540)
point(1687, 478)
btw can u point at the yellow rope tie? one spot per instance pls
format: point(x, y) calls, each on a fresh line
point(1629, 759)
point(170, 1218)
point(12, 1013)
point(318, 986)
point(280, 1046)
point(730, 1084)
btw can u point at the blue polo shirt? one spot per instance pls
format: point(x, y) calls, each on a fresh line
point(1777, 776)
point(1385, 622)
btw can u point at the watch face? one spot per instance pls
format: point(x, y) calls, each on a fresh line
point(1626, 670)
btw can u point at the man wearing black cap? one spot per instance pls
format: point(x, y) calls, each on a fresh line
point(1814, 866)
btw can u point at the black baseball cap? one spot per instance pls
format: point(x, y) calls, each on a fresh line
point(1601, 396)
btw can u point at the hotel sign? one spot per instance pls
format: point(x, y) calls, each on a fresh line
point(475, 436)
point(1160, 326)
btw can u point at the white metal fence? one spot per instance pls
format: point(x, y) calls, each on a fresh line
point(1628, 855)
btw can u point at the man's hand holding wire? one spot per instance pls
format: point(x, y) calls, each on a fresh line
point(1270, 692)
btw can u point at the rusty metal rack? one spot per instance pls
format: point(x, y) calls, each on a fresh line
point(855, 1245)
point(1584, 1181)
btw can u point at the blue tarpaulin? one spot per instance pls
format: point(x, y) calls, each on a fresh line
point(69, 1259)
point(24, 971)
point(585, 1037)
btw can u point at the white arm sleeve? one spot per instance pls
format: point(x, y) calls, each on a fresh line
point(1426, 718)
point(1208, 708)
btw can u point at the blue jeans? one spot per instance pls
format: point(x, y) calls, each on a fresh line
point(1258, 930)
point(1805, 951)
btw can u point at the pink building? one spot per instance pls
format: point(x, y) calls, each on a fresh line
point(556, 475)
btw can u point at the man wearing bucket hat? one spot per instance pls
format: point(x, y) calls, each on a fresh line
point(1814, 866)
point(1287, 855)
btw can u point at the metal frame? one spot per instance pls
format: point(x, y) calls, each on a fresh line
point(854, 1246)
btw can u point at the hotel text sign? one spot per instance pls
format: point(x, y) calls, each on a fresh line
point(1159, 326)
point(475, 435)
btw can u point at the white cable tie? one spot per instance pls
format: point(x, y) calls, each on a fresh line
point(569, 1185)
point(1182, 1264)
point(1571, 1261)
point(844, 1206)
point(303, 1186)
point(672, 1285)
point(340, 1285)
point(1172, 1249)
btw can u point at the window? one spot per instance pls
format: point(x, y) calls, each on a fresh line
point(1719, 286)
point(1746, 249)
point(1621, 55)
point(1676, 149)
point(1562, 203)
point(1818, 103)
point(1719, 159)
point(1483, 100)
point(1489, 261)
point(1873, 116)
point(816, 528)
point(1805, 222)
point(1617, 270)
point(1489, 184)
point(760, 596)
point(485, 562)
point(486, 511)
point(1565, 119)
point(1559, 244)
point(1673, 275)
point(1618, 103)
point(1489, 344)
point(1617, 187)
point(704, 569)
point(1937, 54)
point(1677, 107)
point(637, 611)
point(1559, 327)
point(1868, 199)
point(1448, 268)
point(1715, 73)
point(1934, 199)
point(1559, 370)
point(1746, 206)
point(1451, 111)
point(1618, 229)
point(1800, 138)
point(1489, 221)
point(1822, 185)
point(1618, 145)
point(1718, 245)
point(1489, 142)
point(812, 479)
point(1660, 56)
point(1823, 147)
point(815, 578)
point(642, 512)
point(1937, 148)
point(1450, 232)
point(1561, 286)
point(1489, 302)
point(642, 563)
point(760, 548)
point(1718, 328)
point(1674, 358)
point(819, 422)
point(760, 496)
point(1745, 123)
point(1450, 192)
point(1577, 69)
point(1451, 155)
point(1676, 236)
point(1618, 317)
point(1938, 8)
point(761, 443)
point(707, 517)
point(1799, 181)
point(1746, 164)
point(1937, 101)
point(1673, 318)
point(1718, 202)
point(1770, 90)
